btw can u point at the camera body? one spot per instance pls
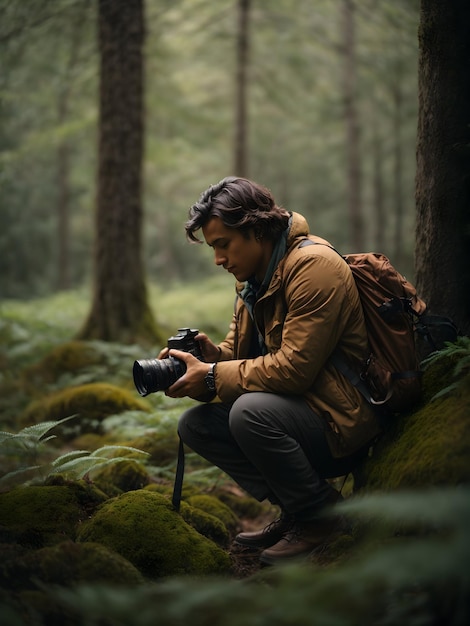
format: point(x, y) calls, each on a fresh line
point(151, 375)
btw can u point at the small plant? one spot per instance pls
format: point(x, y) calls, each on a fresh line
point(458, 351)
point(26, 456)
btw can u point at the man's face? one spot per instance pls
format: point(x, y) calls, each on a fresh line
point(241, 256)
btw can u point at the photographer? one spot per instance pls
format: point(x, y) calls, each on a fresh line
point(287, 419)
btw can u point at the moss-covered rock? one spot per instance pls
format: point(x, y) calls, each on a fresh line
point(91, 403)
point(206, 524)
point(67, 358)
point(66, 564)
point(143, 527)
point(161, 448)
point(243, 506)
point(125, 475)
point(40, 515)
point(213, 506)
point(429, 447)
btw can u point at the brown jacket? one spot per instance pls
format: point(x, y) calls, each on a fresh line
point(310, 308)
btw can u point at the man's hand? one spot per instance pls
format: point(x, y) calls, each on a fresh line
point(210, 352)
point(192, 382)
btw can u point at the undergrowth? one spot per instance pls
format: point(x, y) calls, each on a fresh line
point(27, 457)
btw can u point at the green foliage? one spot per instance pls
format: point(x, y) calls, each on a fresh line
point(27, 448)
point(457, 353)
point(417, 581)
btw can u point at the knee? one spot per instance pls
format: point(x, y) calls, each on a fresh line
point(190, 425)
point(243, 416)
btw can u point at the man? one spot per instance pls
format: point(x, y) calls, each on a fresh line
point(287, 419)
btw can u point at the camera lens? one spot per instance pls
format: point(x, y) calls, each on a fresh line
point(152, 375)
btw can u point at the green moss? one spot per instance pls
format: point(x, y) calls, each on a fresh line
point(206, 524)
point(92, 403)
point(67, 358)
point(431, 446)
point(439, 375)
point(143, 527)
point(213, 506)
point(41, 515)
point(125, 475)
point(67, 564)
point(243, 506)
point(161, 448)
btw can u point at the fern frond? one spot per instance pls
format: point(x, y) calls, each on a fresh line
point(77, 465)
point(445, 391)
point(18, 476)
point(117, 448)
point(64, 458)
point(37, 431)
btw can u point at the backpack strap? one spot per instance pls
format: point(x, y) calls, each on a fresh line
point(354, 378)
point(178, 485)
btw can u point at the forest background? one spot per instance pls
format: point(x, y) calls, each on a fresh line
point(330, 128)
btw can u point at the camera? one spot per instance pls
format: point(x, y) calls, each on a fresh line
point(152, 375)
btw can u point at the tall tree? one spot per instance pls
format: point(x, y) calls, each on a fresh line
point(241, 121)
point(63, 155)
point(352, 125)
point(120, 309)
point(443, 163)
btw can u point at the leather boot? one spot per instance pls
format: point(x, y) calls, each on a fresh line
point(304, 538)
point(268, 536)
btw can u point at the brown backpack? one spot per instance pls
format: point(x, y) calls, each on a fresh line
point(392, 311)
point(396, 321)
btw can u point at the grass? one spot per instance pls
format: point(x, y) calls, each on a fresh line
point(207, 305)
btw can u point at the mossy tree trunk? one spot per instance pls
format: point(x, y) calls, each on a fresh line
point(120, 309)
point(443, 159)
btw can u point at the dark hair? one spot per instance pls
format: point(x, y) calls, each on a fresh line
point(240, 203)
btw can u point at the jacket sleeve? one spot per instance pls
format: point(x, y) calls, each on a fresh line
point(318, 297)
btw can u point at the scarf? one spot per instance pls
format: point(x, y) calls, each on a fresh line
point(254, 290)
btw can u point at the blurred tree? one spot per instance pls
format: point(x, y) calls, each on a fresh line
point(65, 92)
point(241, 117)
point(120, 309)
point(351, 118)
point(443, 159)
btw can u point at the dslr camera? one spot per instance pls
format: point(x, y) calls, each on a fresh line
point(152, 375)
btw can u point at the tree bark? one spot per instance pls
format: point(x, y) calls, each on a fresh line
point(443, 164)
point(120, 310)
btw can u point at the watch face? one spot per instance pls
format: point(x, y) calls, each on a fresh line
point(209, 378)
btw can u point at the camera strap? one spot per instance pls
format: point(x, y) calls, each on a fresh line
point(178, 485)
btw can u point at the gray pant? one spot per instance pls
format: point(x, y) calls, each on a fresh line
point(273, 446)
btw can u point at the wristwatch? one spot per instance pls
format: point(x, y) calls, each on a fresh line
point(210, 378)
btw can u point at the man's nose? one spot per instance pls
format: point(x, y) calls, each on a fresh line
point(219, 259)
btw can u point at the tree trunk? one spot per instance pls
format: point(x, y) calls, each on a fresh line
point(442, 179)
point(241, 114)
point(120, 310)
point(352, 127)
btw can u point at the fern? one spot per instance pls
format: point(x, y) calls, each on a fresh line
point(27, 445)
point(459, 350)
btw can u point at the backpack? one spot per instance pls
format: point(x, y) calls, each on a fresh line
point(399, 332)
